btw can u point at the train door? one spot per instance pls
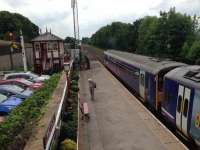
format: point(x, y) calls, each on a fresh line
point(142, 83)
point(182, 108)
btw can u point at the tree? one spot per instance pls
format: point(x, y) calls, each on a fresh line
point(147, 36)
point(13, 22)
point(86, 40)
point(70, 41)
point(133, 34)
point(170, 35)
point(185, 51)
point(194, 53)
point(174, 30)
point(114, 36)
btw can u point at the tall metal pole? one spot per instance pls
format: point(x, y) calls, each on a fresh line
point(23, 51)
point(74, 20)
point(77, 21)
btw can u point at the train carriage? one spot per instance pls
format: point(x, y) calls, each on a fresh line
point(181, 102)
point(141, 73)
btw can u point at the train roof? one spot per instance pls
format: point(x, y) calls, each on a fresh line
point(150, 64)
point(187, 75)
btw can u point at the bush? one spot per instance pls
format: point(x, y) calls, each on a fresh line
point(26, 114)
point(68, 145)
point(75, 76)
point(74, 88)
point(74, 82)
point(68, 130)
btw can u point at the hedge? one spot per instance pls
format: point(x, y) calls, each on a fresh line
point(17, 127)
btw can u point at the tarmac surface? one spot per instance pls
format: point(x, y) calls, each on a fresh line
point(118, 121)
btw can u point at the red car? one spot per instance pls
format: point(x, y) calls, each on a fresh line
point(22, 83)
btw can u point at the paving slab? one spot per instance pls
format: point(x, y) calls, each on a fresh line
point(118, 121)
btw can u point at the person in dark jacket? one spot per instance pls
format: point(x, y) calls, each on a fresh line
point(92, 86)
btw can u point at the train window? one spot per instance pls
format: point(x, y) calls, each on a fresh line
point(160, 83)
point(142, 79)
point(179, 103)
point(185, 110)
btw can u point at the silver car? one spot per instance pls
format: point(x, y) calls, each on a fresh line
point(28, 76)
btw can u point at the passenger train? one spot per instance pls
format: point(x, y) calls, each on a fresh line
point(168, 87)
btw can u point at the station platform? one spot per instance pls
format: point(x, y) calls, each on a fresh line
point(118, 121)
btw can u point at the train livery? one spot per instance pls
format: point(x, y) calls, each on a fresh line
point(171, 88)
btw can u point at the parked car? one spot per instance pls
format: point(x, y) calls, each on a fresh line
point(8, 103)
point(23, 83)
point(10, 90)
point(27, 75)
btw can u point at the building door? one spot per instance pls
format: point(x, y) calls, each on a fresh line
point(43, 55)
point(182, 108)
point(142, 83)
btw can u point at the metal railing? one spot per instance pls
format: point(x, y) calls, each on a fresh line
point(52, 133)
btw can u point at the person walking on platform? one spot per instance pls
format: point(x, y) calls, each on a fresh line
point(92, 86)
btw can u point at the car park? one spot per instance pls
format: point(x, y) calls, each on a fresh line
point(28, 76)
point(15, 90)
point(23, 83)
point(8, 103)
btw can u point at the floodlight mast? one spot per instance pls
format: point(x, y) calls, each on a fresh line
point(74, 6)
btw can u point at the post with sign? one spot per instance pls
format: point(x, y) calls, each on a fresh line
point(23, 51)
point(11, 49)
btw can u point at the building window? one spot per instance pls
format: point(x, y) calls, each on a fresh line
point(55, 46)
point(50, 46)
point(37, 47)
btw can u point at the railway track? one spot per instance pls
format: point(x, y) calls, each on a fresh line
point(93, 53)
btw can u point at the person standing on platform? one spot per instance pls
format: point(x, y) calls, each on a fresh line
point(92, 86)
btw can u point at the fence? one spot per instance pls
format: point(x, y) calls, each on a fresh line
point(52, 134)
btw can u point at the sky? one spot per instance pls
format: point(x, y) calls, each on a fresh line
point(93, 14)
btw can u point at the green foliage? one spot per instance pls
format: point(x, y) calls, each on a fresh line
point(146, 36)
point(68, 144)
point(74, 82)
point(185, 50)
point(13, 22)
point(86, 40)
point(24, 115)
point(68, 130)
point(75, 76)
point(74, 88)
point(70, 117)
point(114, 36)
point(170, 35)
point(194, 53)
point(70, 41)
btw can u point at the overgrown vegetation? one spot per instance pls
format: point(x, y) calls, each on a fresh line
point(171, 35)
point(18, 126)
point(70, 116)
point(13, 22)
point(68, 145)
